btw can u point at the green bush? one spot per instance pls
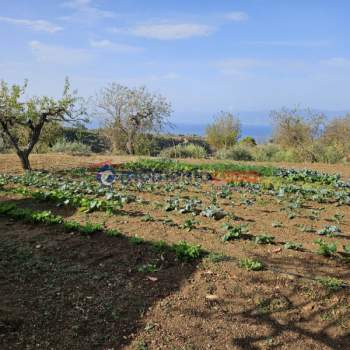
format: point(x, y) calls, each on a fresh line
point(74, 148)
point(238, 152)
point(188, 150)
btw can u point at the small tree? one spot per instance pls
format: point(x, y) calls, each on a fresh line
point(130, 113)
point(337, 135)
point(224, 132)
point(299, 130)
point(28, 118)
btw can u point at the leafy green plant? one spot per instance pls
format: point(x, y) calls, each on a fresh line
point(136, 240)
point(147, 268)
point(71, 226)
point(214, 212)
point(6, 207)
point(264, 239)
point(329, 231)
point(113, 233)
point(251, 264)
point(46, 217)
point(326, 249)
point(90, 228)
point(189, 225)
point(147, 218)
point(234, 232)
point(186, 252)
point(159, 246)
point(293, 246)
point(346, 248)
point(331, 283)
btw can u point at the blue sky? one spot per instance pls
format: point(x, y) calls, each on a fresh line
point(204, 55)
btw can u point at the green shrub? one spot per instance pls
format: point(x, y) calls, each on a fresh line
point(238, 152)
point(326, 249)
point(186, 252)
point(74, 148)
point(183, 150)
point(274, 153)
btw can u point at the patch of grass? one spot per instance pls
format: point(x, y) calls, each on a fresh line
point(332, 284)
point(90, 228)
point(159, 246)
point(217, 257)
point(113, 233)
point(136, 240)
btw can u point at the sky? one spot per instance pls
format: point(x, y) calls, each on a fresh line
point(247, 57)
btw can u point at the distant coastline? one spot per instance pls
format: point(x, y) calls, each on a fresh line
point(260, 132)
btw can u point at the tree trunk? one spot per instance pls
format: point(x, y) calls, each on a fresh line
point(24, 157)
point(130, 147)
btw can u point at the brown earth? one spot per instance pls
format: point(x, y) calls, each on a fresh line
point(65, 291)
point(10, 163)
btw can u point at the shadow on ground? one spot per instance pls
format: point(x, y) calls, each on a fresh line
point(65, 291)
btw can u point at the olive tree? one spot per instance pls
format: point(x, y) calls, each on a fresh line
point(20, 116)
point(224, 132)
point(129, 113)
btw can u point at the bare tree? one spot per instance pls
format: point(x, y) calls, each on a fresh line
point(30, 116)
point(298, 129)
point(129, 112)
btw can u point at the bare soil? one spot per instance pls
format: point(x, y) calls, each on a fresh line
point(64, 291)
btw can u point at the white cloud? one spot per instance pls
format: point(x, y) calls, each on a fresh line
point(86, 11)
point(116, 47)
point(286, 43)
point(58, 54)
point(37, 25)
point(237, 16)
point(168, 31)
point(241, 67)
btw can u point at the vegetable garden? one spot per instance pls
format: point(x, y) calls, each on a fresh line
point(176, 256)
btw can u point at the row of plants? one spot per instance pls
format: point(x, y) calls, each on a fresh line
point(183, 250)
point(327, 249)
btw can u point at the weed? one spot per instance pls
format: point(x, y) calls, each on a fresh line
point(90, 228)
point(113, 233)
point(251, 264)
point(147, 268)
point(234, 232)
point(332, 284)
point(159, 246)
point(186, 252)
point(326, 249)
point(189, 225)
point(136, 240)
point(293, 246)
point(147, 218)
point(264, 239)
point(217, 257)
